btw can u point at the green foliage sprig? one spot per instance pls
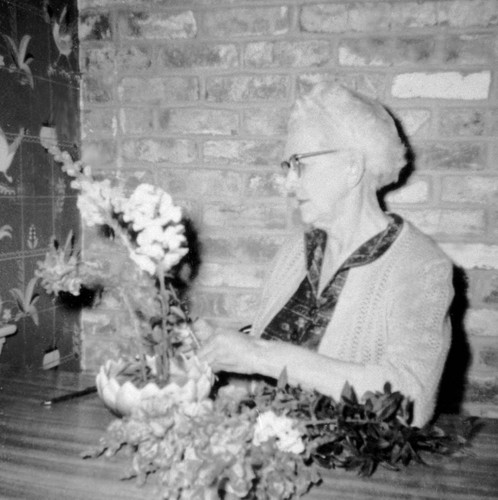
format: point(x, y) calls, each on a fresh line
point(215, 447)
point(361, 435)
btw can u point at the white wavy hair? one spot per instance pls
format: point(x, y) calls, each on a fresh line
point(362, 124)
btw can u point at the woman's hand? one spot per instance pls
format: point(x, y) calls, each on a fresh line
point(203, 331)
point(230, 351)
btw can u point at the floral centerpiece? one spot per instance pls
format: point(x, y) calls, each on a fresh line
point(269, 444)
point(146, 232)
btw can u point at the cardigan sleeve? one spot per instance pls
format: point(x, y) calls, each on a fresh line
point(417, 341)
point(419, 334)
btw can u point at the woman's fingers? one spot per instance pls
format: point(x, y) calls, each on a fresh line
point(214, 353)
point(203, 330)
point(228, 351)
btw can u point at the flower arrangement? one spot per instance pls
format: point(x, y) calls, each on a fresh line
point(269, 444)
point(147, 231)
point(197, 440)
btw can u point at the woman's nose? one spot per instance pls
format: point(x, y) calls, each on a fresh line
point(291, 182)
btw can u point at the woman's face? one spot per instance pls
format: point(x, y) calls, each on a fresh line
point(322, 184)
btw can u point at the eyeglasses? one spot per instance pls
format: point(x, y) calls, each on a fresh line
point(294, 162)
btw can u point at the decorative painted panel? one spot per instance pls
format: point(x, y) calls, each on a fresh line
point(39, 87)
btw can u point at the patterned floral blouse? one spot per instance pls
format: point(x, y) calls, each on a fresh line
point(304, 319)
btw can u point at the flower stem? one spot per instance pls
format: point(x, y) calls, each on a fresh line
point(165, 347)
point(136, 326)
point(322, 422)
point(187, 319)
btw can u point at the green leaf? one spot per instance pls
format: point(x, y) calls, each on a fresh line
point(367, 468)
point(283, 380)
point(369, 396)
point(178, 311)
point(348, 394)
point(437, 432)
point(389, 407)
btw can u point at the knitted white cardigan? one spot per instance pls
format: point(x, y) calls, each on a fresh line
point(391, 321)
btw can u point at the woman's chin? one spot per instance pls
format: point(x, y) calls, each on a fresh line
point(307, 220)
point(310, 216)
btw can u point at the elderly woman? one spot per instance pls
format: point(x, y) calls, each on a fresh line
point(365, 297)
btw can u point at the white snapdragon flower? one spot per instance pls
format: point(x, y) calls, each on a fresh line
point(170, 238)
point(144, 262)
point(169, 213)
point(171, 259)
point(142, 206)
point(152, 233)
point(89, 212)
point(288, 439)
point(150, 203)
point(173, 237)
point(150, 256)
point(153, 250)
point(158, 244)
point(152, 215)
point(94, 201)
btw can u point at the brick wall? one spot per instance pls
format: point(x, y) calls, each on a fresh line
point(194, 96)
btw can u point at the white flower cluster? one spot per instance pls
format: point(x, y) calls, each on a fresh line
point(150, 211)
point(94, 202)
point(155, 218)
point(288, 438)
point(95, 198)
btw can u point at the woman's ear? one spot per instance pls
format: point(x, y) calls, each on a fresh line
point(356, 169)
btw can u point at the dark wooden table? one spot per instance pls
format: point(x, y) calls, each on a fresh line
point(40, 447)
